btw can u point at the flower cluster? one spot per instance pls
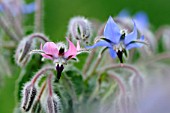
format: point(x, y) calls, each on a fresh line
point(98, 79)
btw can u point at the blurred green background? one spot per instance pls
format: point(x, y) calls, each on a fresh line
point(58, 12)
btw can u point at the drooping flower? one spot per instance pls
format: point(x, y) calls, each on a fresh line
point(118, 41)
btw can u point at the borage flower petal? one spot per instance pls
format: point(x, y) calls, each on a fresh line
point(135, 44)
point(72, 51)
point(113, 54)
point(132, 36)
point(112, 31)
point(50, 49)
point(141, 20)
point(100, 43)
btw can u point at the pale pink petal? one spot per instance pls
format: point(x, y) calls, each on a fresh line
point(78, 45)
point(72, 51)
point(47, 56)
point(50, 48)
point(41, 46)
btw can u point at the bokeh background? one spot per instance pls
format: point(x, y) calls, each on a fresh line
point(58, 12)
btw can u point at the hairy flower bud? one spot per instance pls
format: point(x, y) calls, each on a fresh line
point(29, 94)
point(80, 29)
point(53, 104)
point(52, 101)
point(22, 55)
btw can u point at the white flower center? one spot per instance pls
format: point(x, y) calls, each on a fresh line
point(60, 61)
point(124, 31)
point(119, 47)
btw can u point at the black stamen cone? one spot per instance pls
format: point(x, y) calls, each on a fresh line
point(122, 36)
point(59, 71)
point(120, 56)
point(61, 51)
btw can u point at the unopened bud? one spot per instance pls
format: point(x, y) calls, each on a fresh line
point(52, 101)
point(22, 55)
point(29, 94)
point(80, 29)
point(53, 104)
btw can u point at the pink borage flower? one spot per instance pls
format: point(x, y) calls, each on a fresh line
point(58, 54)
point(54, 51)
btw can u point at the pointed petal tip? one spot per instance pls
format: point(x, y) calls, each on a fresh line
point(72, 50)
point(78, 45)
point(110, 19)
point(100, 43)
point(112, 31)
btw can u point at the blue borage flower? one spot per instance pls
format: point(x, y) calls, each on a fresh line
point(118, 41)
point(13, 7)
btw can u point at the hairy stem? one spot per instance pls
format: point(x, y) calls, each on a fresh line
point(157, 58)
point(119, 82)
point(126, 66)
point(40, 72)
point(88, 61)
point(42, 90)
point(40, 36)
point(99, 58)
point(39, 16)
point(49, 80)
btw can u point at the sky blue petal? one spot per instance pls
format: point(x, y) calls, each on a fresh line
point(131, 36)
point(112, 53)
point(28, 8)
point(100, 43)
point(141, 20)
point(136, 44)
point(124, 13)
point(1, 8)
point(112, 31)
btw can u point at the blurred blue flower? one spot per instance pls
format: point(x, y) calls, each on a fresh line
point(123, 14)
point(140, 18)
point(118, 41)
point(15, 8)
point(28, 8)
